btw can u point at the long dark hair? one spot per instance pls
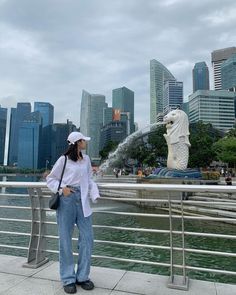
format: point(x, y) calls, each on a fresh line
point(72, 152)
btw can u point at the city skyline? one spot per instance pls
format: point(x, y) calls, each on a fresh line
point(102, 45)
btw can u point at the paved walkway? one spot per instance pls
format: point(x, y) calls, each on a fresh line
point(17, 280)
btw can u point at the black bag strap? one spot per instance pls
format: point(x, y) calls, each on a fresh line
point(62, 173)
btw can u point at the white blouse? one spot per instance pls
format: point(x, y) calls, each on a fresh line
point(76, 174)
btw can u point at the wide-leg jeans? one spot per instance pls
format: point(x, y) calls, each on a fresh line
point(69, 213)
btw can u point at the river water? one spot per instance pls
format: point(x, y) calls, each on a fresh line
point(148, 254)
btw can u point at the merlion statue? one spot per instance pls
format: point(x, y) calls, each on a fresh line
point(177, 126)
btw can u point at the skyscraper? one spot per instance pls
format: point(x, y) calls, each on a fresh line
point(3, 126)
point(91, 120)
point(17, 116)
point(47, 112)
point(123, 100)
point(200, 77)
point(158, 74)
point(107, 115)
point(172, 95)
point(58, 134)
point(217, 58)
point(29, 141)
point(228, 73)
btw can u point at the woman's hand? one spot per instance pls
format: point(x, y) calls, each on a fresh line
point(67, 191)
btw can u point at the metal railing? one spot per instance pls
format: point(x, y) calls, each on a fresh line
point(39, 196)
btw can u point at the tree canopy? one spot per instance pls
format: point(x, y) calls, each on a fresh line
point(225, 148)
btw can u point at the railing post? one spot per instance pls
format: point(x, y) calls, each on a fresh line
point(176, 281)
point(36, 255)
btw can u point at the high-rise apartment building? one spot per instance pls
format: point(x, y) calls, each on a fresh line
point(123, 100)
point(91, 121)
point(228, 73)
point(47, 112)
point(172, 95)
point(158, 75)
point(215, 107)
point(217, 58)
point(30, 141)
point(17, 116)
point(200, 77)
point(3, 126)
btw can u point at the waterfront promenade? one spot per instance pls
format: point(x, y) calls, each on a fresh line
point(18, 280)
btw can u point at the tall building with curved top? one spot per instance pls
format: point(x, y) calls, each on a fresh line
point(217, 58)
point(200, 76)
point(158, 75)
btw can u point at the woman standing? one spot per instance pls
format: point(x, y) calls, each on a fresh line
point(76, 188)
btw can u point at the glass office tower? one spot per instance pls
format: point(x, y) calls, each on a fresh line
point(17, 116)
point(228, 74)
point(29, 141)
point(200, 77)
point(123, 100)
point(47, 112)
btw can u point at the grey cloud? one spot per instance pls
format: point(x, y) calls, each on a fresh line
point(52, 49)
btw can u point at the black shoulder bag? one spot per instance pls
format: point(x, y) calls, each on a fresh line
point(54, 201)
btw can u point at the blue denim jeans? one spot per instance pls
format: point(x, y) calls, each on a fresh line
point(69, 213)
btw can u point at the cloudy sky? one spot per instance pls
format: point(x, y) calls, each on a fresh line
point(52, 49)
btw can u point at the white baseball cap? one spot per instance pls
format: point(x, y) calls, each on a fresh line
point(75, 136)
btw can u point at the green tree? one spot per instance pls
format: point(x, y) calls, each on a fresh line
point(225, 150)
point(157, 146)
point(111, 145)
point(202, 137)
point(232, 132)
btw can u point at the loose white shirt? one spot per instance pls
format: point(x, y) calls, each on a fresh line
point(77, 173)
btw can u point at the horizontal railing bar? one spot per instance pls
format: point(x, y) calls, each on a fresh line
point(132, 229)
point(226, 272)
point(132, 260)
point(172, 201)
point(135, 186)
point(228, 254)
point(13, 195)
point(15, 207)
point(131, 214)
point(13, 247)
point(199, 217)
point(135, 245)
point(24, 208)
point(165, 231)
point(16, 220)
point(14, 233)
point(137, 200)
point(223, 236)
point(201, 251)
point(131, 244)
point(233, 237)
point(133, 200)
